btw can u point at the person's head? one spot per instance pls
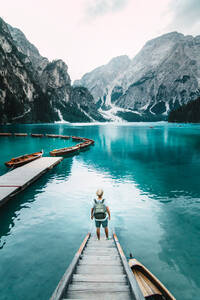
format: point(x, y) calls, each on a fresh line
point(99, 193)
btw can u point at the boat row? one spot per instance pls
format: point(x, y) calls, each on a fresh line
point(24, 159)
point(35, 135)
point(85, 143)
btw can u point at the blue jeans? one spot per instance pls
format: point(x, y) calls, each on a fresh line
point(103, 223)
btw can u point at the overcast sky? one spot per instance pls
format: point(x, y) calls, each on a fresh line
point(88, 33)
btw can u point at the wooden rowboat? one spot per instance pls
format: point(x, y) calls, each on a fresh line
point(53, 135)
point(64, 151)
point(23, 159)
point(67, 137)
point(89, 140)
point(37, 134)
point(5, 134)
point(85, 144)
point(20, 134)
point(150, 286)
point(77, 138)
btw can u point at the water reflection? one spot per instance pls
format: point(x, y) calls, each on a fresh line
point(10, 213)
point(155, 159)
point(180, 245)
point(150, 178)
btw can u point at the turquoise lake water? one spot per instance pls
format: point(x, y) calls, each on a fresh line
point(151, 181)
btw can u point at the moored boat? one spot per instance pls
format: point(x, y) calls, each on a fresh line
point(85, 144)
point(23, 159)
point(150, 286)
point(67, 137)
point(5, 134)
point(77, 138)
point(52, 135)
point(37, 134)
point(89, 140)
point(64, 151)
point(20, 134)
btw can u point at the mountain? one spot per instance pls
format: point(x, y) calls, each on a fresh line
point(188, 113)
point(162, 76)
point(32, 89)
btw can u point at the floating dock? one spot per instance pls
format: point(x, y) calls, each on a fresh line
point(98, 271)
point(20, 178)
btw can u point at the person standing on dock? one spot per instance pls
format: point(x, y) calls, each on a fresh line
point(101, 213)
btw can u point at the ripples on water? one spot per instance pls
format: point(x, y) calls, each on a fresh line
point(151, 181)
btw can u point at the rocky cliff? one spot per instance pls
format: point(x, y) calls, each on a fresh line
point(162, 76)
point(32, 89)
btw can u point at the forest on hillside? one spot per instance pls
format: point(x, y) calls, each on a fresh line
point(188, 113)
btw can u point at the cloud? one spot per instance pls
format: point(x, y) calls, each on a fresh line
point(185, 13)
point(96, 8)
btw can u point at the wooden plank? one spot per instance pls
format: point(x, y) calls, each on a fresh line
point(20, 178)
point(98, 296)
point(100, 257)
point(142, 285)
point(101, 246)
point(66, 279)
point(152, 288)
point(101, 250)
point(100, 287)
point(136, 292)
point(99, 278)
point(103, 253)
point(100, 270)
point(100, 262)
point(101, 241)
point(113, 249)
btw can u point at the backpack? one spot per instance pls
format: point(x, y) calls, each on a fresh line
point(99, 210)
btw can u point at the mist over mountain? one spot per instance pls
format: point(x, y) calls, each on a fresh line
point(164, 75)
point(32, 89)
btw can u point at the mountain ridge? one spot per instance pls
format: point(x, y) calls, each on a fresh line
point(162, 76)
point(32, 89)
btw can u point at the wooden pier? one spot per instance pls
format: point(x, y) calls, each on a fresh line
point(98, 271)
point(20, 178)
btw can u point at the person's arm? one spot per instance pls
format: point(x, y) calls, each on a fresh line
point(92, 210)
point(108, 211)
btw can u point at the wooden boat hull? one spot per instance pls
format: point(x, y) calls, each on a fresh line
point(89, 140)
point(85, 145)
point(150, 286)
point(5, 134)
point(67, 137)
point(23, 159)
point(77, 138)
point(64, 151)
point(20, 134)
point(52, 135)
point(37, 134)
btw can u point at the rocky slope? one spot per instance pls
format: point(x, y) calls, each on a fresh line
point(162, 76)
point(32, 89)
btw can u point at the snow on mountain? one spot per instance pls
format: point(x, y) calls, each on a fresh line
point(162, 76)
